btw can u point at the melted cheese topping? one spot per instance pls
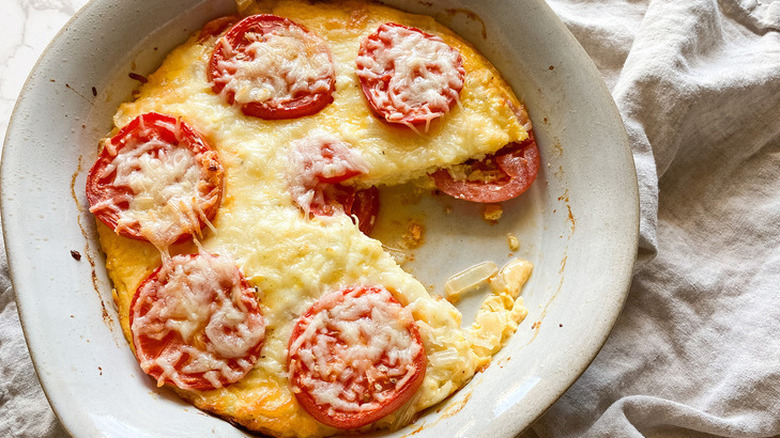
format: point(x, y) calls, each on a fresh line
point(293, 259)
point(192, 296)
point(314, 158)
point(275, 67)
point(423, 72)
point(164, 197)
point(356, 341)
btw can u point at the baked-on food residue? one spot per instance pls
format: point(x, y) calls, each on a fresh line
point(236, 198)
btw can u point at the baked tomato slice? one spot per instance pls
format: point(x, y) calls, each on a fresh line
point(319, 164)
point(272, 68)
point(362, 205)
point(157, 180)
point(409, 76)
point(355, 356)
point(195, 323)
point(217, 27)
point(496, 178)
point(364, 208)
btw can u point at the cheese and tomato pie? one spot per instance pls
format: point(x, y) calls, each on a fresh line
point(273, 68)
point(197, 306)
point(375, 358)
point(236, 197)
point(155, 180)
point(409, 76)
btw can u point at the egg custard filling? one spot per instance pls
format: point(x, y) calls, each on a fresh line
point(236, 196)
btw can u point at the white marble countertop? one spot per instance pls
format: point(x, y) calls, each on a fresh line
point(26, 27)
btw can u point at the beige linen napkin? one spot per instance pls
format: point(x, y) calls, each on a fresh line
point(696, 351)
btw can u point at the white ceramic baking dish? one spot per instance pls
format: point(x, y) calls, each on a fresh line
point(578, 224)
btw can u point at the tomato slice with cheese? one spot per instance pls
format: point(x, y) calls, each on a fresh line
point(196, 323)
point(272, 68)
point(496, 178)
point(355, 356)
point(157, 180)
point(319, 164)
point(409, 76)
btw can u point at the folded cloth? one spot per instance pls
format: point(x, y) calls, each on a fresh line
point(24, 411)
point(696, 351)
